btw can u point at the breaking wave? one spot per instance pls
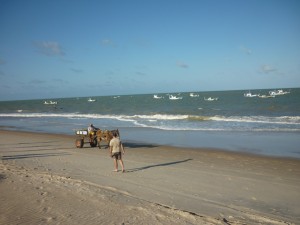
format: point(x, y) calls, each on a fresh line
point(162, 117)
point(168, 122)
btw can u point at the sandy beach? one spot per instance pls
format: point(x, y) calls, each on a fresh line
point(45, 179)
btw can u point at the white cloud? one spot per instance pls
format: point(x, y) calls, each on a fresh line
point(140, 73)
point(267, 69)
point(246, 50)
point(6, 86)
point(182, 64)
point(50, 48)
point(108, 42)
point(59, 81)
point(76, 70)
point(37, 81)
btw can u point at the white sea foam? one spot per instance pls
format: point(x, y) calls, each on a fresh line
point(259, 119)
point(174, 122)
point(161, 117)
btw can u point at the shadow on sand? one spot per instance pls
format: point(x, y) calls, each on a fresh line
point(26, 156)
point(157, 165)
point(138, 145)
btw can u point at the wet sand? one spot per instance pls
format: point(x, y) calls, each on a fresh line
point(45, 179)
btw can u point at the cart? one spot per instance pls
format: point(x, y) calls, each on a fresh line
point(83, 136)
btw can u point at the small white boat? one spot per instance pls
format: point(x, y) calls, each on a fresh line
point(278, 92)
point(173, 97)
point(249, 95)
point(91, 100)
point(266, 96)
point(193, 95)
point(157, 97)
point(210, 99)
point(50, 103)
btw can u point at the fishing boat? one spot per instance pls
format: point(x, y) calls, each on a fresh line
point(210, 99)
point(278, 92)
point(266, 96)
point(193, 95)
point(157, 97)
point(249, 95)
point(50, 103)
point(91, 100)
point(173, 97)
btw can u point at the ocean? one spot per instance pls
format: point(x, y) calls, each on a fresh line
point(262, 124)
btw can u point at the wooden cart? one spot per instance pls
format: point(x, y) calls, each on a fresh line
point(83, 136)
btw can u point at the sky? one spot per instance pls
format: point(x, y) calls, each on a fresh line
point(73, 48)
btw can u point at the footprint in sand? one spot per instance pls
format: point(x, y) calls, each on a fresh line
point(46, 209)
point(44, 193)
point(40, 201)
point(49, 219)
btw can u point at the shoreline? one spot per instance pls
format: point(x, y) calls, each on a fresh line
point(274, 144)
point(162, 185)
point(135, 143)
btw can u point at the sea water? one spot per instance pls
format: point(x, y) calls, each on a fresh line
point(260, 125)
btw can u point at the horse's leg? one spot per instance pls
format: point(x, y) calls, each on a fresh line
point(99, 141)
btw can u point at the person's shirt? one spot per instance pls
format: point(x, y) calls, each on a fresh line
point(115, 143)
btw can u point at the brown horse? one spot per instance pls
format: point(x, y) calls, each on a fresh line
point(106, 135)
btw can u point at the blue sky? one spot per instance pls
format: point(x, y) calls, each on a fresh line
point(64, 48)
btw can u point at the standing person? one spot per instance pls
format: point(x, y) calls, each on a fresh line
point(116, 149)
point(92, 132)
point(92, 128)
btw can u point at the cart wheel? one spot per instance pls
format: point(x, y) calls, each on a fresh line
point(93, 143)
point(79, 143)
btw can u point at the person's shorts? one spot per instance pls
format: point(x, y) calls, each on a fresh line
point(117, 155)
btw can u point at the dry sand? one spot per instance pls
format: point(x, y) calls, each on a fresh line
point(44, 179)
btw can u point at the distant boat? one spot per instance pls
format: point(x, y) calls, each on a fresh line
point(50, 103)
point(116, 97)
point(266, 96)
point(91, 100)
point(210, 99)
point(278, 92)
point(157, 97)
point(193, 95)
point(249, 95)
point(173, 97)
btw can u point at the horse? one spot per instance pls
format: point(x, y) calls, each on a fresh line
point(106, 135)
